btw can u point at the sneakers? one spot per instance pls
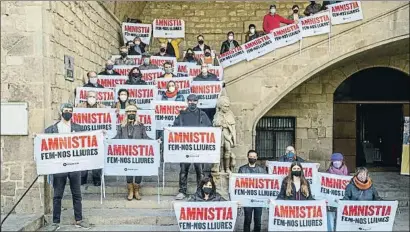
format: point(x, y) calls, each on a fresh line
point(180, 196)
point(52, 227)
point(82, 224)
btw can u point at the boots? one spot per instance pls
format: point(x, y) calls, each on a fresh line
point(130, 187)
point(137, 192)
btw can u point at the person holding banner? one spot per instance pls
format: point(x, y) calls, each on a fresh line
point(252, 167)
point(230, 43)
point(146, 65)
point(191, 117)
point(59, 180)
point(168, 71)
point(189, 56)
point(172, 93)
point(205, 75)
point(361, 187)
point(295, 15)
point(163, 50)
point(123, 101)
point(201, 44)
point(290, 156)
point(135, 77)
point(272, 20)
point(138, 48)
point(207, 59)
point(132, 128)
point(295, 186)
point(109, 69)
point(312, 8)
point(206, 192)
point(326, 3)
point(252, 34)
point(124, 60)
point(92, 80)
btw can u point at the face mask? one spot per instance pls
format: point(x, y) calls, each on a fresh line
point(168, 70)
point(123, 54)
point(312, 2)
point(192, 106)
point(67, 116)
point(296, 173)
point(171, 89)
point(91, 101)
point(93, 80)
point(109, 66)
point(207, 190)
point(290, 155)
point(204, 71)
point(230, 37)
point(131, 117)
point(189, 54)
point(137, 42)
point(295, 11)
point(207, 54)
point(252, 30)
point(162, 50)
point(200, 42)
point(273, 10)
point(137, 75)
point(123, 98)
point(337, 164)
point(146, 61)
point(251, 160)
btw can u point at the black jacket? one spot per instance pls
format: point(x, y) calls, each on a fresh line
point(285, 158)
point(53, 129)
point(257, 169)
point(249, 37)
point(135, 82)
point(197, 118)
point(225, 46)
point(295, 195)
point(133, 52)
point(209, 77)
point(198, 49)
point(198, 197)
point(353, 193)
point(93, 86)
point(106, 73)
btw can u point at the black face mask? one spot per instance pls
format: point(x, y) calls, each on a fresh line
point(136, 75)
point(123, 54)
point(192, 106)
point(295, 11)
point(162, 50)
point(109, 66)
point(131, 117)
point(207, 54)
point(189, 55)
point(312, 2)
point(67, 116)
point(200, 42)
point(207, 190)
point(251, 160)
point(296, 173)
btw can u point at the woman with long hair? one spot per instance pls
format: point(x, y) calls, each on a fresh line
point(361, 187)
point(295, 186)
point(206, 191)
point(172, 93)
point(135, 77)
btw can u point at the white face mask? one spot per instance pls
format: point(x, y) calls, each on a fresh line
point(252, 30)
point(230, 37)
point(171, 89)
point(91, 101)
point(123, 98)
point(337, 164)
point(93, 81)
point(273, 10)
point(204, 71)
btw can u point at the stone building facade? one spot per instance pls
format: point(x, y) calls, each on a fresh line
point(37, 35)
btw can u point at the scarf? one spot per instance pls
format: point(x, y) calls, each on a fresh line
point(362, 186)
point(171, 95)
point(338, 171)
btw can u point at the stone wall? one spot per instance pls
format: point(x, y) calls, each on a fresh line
point(125, 9)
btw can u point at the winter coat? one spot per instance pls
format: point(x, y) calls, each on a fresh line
point(198, 49)
point(226, 46)
point(257, 169)
point(114, 73)
point(197, 118)
point(198, 197)
point(295, 195)
point(249, 37)
point(271, 22)
point(285, 158)
point(208, 77)
point(126, 61)
point(312, 9)
point(353, 193)
point(148, 67)
point(139, 131)
point(179, 97)
point(93, 86)
point(135, 82)
point(53, 129)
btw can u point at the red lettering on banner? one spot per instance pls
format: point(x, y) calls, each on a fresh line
point(316, 20)
point(120, 118)
point(183, 68)
point(230, 52)
point(160, 62)
point(311, 211)
point(334, 183)
point(145, 119)
point(70, 142)
point(345, 7)
point(130, 150)
point(207, 214)
point(137, 29)
point(366, 210)
point(206, 89)
point(214, 71)
point(260, 183)
point(88, 118)
point(168, 109)
point(168, 22)
point(151, 76)
point(193, 72)
point(111, 83)
point(280, 170)
point(181, 84)
point(141, 93)
point(256, 42)
point(285, 30)
point(123, 71)
point(191, 137)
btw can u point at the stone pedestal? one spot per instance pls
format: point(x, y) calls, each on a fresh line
point(222, 184)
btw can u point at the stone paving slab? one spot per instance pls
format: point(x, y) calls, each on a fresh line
point(22, 222)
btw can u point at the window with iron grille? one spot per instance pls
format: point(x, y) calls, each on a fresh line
point(273, 135)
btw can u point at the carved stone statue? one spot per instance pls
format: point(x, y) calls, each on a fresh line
point(225, 119)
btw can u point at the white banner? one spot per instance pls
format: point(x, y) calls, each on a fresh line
point(254, 190)
point(111, 81)
point(59, 153)
point(192, 144)
point(182, 83)
point(316, 24)
point(142, 94)
point(160, 60)
point(166, 112)
point(297, 216)
point(183, 68)
point(151, 75)
point(366, 215)
point(206, 216)
point(207, 91)
point(104, 96)
point(91, 119)
point(131, 157)
point(331, 187)
point(137, 59)
point(147, 117)
point(132, 30)
point(232, 57)
point(259, 47)
point(287, 35)
point(169, 28)
point(310, 170)
point(195, 70)
point(346, 12)
point(124, 70)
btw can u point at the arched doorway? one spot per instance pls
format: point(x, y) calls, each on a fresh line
point(369, 111)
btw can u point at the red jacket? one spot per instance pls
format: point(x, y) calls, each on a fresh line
point(272, 22)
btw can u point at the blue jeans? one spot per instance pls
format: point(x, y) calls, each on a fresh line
point(331, 219)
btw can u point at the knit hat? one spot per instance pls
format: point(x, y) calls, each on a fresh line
point(336, 157)
point(131, 108)
point(192, 97)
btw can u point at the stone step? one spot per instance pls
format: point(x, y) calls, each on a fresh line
point(153, 217)
point(171, 189)
point(22, 222)
point(120, 227)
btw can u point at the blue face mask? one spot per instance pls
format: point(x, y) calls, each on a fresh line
point(290, 155)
